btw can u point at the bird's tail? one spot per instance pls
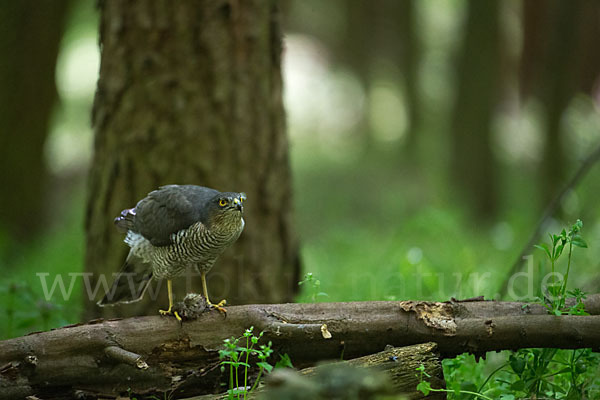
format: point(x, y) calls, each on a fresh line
point(130, 283)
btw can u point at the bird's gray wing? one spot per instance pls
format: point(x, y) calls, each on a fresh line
point(170, 209)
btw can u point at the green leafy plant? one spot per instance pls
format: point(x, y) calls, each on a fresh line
point(236, 354)
point(554, 372)
point(284, 362)
point(564, 374)
point(537, 373)
point(315, 286)
point(555, 300)
point(425, 387)
point(527, 373)
point(578, 308)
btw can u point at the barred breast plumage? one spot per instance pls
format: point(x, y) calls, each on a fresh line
point(172, 228)
point(195, 245)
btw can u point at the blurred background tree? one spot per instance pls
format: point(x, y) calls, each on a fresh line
point(424, 144)
point(476, 96)
point(557, 64)
point(30, 34)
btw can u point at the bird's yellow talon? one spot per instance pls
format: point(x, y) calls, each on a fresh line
point(221, 303)
point(219, 306)
point(169, 312)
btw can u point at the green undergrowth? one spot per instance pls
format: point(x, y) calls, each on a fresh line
point(25, 305)
point(533, 373)
point(527, 373)
point(371, 232)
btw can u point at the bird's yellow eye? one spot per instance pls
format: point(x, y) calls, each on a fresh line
point(222, 202)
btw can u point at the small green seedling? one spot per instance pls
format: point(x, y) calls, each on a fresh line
point(238, 357)
point(311, 280)
point(425, 387)
point(555, 300)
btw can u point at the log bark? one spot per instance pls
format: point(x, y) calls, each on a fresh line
point(399, 365)
point(391, 372)
point(191, 93)
point(160, 355)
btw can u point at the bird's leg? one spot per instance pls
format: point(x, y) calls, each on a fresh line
point(218, 306)
point(170, 291)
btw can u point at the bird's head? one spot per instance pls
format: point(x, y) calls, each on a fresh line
point(227, 207)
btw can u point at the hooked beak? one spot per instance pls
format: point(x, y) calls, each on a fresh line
point(238, 205)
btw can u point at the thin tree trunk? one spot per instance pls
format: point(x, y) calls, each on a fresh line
point(409, 59)
point(589, 41)
point(478, 74)
point(30, 34)
point(535, 25)
point(554, 65)
point(558, 86)
point(377, 32)
point(190, 92)
point(359, 50)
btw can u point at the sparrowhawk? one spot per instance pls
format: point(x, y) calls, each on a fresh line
point(172, 228)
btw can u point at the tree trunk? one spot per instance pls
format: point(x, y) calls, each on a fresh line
point(558, 86)
point(555, 63)
point(359, 51)
point(29, 41)
point(153, 355)
point(376, 33)
point(589, 40)
point(535, 23)
point(191, 92)
point(409, 61)
point(478, 74)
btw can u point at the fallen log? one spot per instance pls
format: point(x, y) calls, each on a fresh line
point(389, 372)
point(399, 364)
point(157, 354)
